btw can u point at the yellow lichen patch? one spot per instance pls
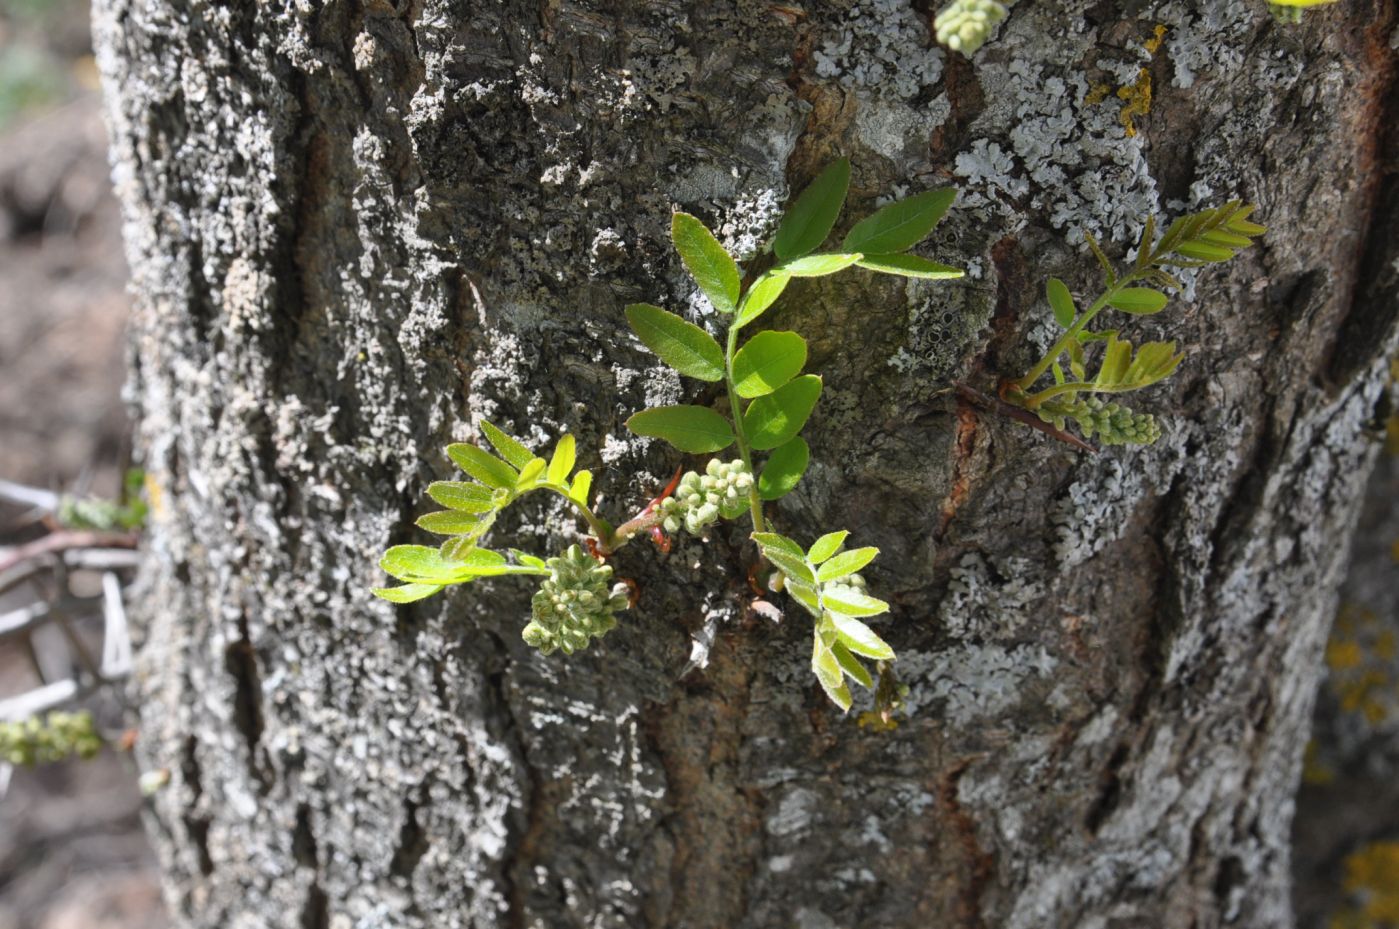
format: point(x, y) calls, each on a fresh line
point(1360, 656)
point(878, 722)
point(1138, 99)
point(154, 497)
point(1315, 771)
point(1372, 880)
point(1154, 44)
point(1097, 94)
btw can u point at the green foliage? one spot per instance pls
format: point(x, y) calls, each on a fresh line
point(770, 401)
point(824, 581)
point(1208, 237)
point(53, 738)
point(125, 514)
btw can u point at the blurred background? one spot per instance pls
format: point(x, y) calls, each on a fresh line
point(73, 854)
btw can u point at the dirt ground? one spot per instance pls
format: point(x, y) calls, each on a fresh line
point(73, 854)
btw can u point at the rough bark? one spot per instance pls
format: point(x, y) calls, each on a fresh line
point(1111, 660)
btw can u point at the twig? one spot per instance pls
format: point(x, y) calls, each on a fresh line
point(65, 539)
point(995, 405)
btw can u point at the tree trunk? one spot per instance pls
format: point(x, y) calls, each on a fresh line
point(1111, 660)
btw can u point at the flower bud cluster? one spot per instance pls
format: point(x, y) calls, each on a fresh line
point(965, 25)
point(577, 602)
point(699, 500)
point(56, 737)
point(1115, 424)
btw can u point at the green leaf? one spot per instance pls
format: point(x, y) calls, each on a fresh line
point(776, 419)
point(769, 360)
point(911, 266)
point(531, 472)
point(709, 264)
point(761, 295)
point(1203, 251)
point(582, 484)
point(860, 638)
point(418, 563)
point(901, 225)
point(786, 555)
point(851, 666)
point(1062, 302)
point(784, 469)
point(564, 457)
point(1139, 301)
point(478, 562)
point(804, 594)
point(482, 465)
point(681, 344)
point(509, 448)
point(810, 219)
point(462, 495)
point(818, 265)
point(449, 522)
point(827, 670)
point(776, 542)
point(826, 546)
point(852, 603)
point(1108, 273)
point(693, 429)
point(525, 558)
point(406, 593)
point(846, 563)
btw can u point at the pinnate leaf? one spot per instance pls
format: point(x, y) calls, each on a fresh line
point(768, 360)
point(693, 429)
point(712, 267)
point(810, 218)
point(679, 343)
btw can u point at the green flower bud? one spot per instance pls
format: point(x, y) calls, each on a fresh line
point(965, 25)
point(574, 605)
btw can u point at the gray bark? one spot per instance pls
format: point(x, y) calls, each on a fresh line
point(1111, 660)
